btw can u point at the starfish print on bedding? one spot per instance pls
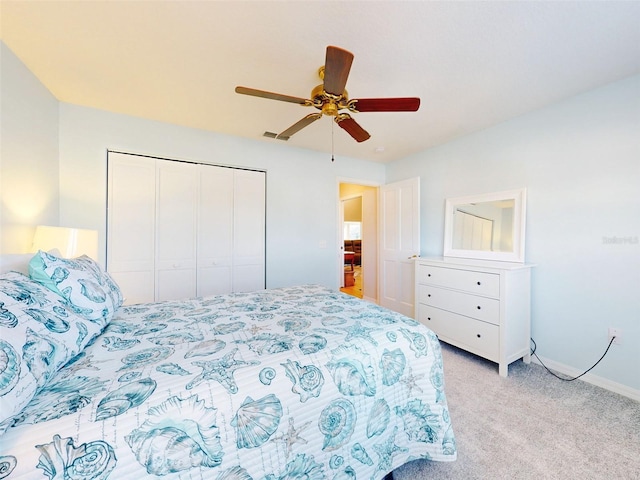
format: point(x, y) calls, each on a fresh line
point(387, 450)
point(291, 437)
point(411, 381)
point(220, 370)
point(359, 331)
point(81, 362)
point(256, 329)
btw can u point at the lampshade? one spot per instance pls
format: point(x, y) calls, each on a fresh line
point(71, 242)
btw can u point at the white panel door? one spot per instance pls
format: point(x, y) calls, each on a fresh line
point(215, 230)
point(399, 243)
point(249, 231)
point(131, 225)
point(176, 217)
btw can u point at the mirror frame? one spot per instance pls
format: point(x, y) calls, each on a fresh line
point(519, 196)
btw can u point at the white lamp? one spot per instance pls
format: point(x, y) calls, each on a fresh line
point(71, 242)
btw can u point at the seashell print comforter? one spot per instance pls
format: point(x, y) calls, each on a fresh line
point(279, 384)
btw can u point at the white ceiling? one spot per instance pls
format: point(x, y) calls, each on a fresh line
point(473, 64)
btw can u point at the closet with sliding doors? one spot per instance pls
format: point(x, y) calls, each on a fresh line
point(178, 229)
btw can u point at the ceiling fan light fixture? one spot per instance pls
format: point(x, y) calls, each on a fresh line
point(330, 108)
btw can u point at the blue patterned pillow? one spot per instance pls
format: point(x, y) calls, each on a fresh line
point(81, 281)
point(39, 334)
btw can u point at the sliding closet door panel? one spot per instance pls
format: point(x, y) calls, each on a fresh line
point(175, 284)
point(136, 287)
point(249, 231)
point(176, 217)
point(131, 225)
point(215, 230)
point(177, 229)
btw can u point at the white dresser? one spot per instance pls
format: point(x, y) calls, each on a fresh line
point(478, 305)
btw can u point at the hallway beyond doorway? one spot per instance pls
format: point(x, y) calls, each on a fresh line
point(356, 289)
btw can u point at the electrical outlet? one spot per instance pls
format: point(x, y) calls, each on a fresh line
point(615, 332)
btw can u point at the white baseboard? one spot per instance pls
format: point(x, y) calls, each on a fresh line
point(615, 387)
point(370, 299)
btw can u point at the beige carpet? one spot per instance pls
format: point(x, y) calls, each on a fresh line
point(531, 425)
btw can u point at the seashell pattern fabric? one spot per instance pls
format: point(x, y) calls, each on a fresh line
point(81, 281)
point(39, 333)
point(297, 382)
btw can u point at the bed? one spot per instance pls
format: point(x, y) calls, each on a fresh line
point(298, 382)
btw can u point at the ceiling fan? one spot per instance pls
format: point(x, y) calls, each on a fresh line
point(331, 98)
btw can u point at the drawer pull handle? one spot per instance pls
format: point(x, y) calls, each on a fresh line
point(479, 307)
point(429, 295)
point(429, 318)
point(428, 274)
point(479, 283)
point(478, 335)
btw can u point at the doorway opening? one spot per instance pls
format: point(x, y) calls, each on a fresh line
point(359, 240)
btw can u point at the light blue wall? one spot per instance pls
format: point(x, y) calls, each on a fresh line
point(580, 161)
point(28, 154)
point(302, 186)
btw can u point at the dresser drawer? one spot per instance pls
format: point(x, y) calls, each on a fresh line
point(479, 283)
point(475, 306)
point(472, 335)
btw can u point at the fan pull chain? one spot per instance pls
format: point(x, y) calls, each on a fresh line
point(332, 159)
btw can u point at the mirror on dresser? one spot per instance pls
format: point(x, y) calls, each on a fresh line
point(488, 226)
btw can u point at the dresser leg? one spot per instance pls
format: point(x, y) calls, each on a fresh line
point(503, 369)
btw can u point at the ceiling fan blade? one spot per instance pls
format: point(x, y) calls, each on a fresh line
point(271, 95)
point(404, 104)
point(299, 125)
point(352, 128)
point(336, 70)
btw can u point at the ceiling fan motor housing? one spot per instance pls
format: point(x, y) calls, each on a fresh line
point(327, 103)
